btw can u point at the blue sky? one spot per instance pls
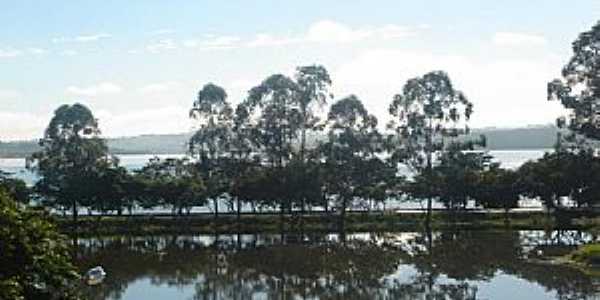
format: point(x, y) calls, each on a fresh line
point(138, 64)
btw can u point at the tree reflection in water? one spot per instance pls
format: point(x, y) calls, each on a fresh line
point(442, 265)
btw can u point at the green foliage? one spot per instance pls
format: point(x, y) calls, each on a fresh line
point(587, 254)
point(35, 259)
point(215, 114)
point(313, 84)
point(72, 151)
point(174, 183)
point(350, 161)
point(579, 89)
point(274, 106)
point(425, 114)
point(16, 188)
point(498, 188)
point(453, 180)
point(428, 111)
point(563, 174)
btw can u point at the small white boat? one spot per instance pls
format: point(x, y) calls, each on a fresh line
point(95, 275)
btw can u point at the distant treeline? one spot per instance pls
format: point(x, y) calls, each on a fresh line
point(531, 137)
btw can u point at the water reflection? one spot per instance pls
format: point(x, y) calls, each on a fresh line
point(440, 265)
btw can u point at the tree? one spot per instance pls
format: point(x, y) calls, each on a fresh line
point(313, 83)
point(213, 139)
point(16, 188)
point(579, 89)
point(174, 183)
point(353, 140)
point(499, 188)
point(214, 113)
point(274, 106)
point(547, 178)
point(562, 174)
point(35, 259)
point(453, 181)
point(426, 113)
point(71, 151)
point(110, 189)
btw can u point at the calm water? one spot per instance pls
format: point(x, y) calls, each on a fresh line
point(508, 158)
point(407, 265)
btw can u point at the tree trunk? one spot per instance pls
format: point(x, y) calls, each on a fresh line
point(239, 209)
point(343, 214)
point(429, 151)
point(281, 217)
point(216, 203)
point(74, 206)
point(303, 141)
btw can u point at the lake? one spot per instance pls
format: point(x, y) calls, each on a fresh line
point(403, 265)
point(508, 159)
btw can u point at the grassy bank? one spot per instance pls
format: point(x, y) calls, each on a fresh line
point(586, 258)
point(354, 222)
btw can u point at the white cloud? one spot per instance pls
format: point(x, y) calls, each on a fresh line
point(330, 31)
point(327, 31)
point(162, 31)
point(37, 51)
point(517, 39)
point(9, 53)
point(221, 42)
point(159, 120)
point(391, 31)
point(102, 88)
point(159, 87)
point(191, 43)
point(162, 45)
point(82, 38)
point(9, 94)
point(267, 40)
point(12, 52)
point(68, 52)
point(504, 92)
point(92, 38)
point(22, 125)
point(212, 42)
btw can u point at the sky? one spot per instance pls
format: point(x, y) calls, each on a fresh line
point(138, 64)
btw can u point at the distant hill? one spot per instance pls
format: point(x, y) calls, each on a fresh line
point(143, 144)
point(150, 144)
point(531, 137)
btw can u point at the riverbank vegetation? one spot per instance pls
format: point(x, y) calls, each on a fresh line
point(35, 260)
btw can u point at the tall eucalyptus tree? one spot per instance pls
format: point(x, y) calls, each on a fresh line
point(353, 140)
point(212, 141)
point(274, 108)
point(579, 89)
point(425, 114)
point(313, 85)
point(71, 150)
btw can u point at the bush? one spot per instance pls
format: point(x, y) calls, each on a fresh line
point(587, 254)
point(34, 260)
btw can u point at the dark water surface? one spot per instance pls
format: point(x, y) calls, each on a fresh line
point(405, 265)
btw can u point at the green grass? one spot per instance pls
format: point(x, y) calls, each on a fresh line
point(588, 255)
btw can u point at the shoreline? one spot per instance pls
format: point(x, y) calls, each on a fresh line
point(296, 223)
